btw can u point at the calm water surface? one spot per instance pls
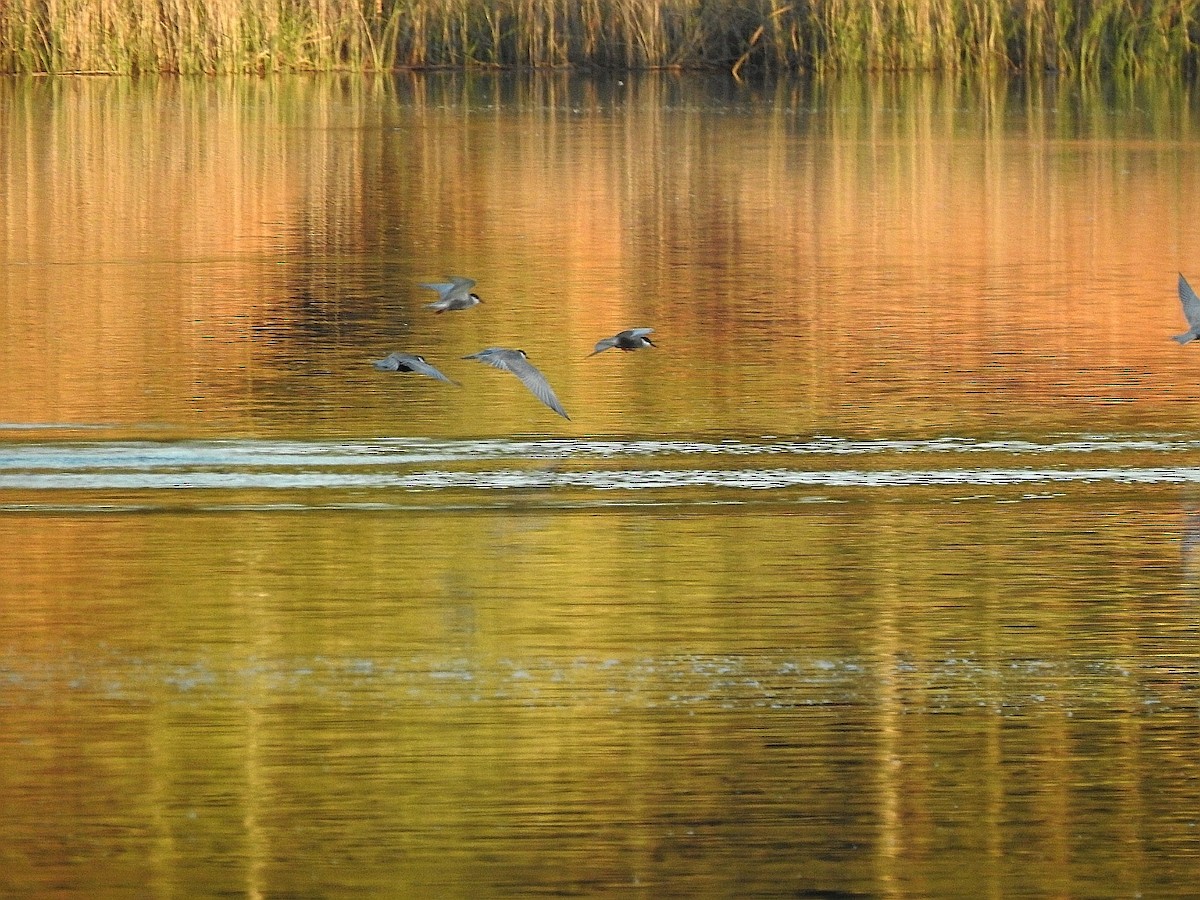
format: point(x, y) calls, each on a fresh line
point(880, 576)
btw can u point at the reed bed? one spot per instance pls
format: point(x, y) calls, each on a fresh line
point(214, 36)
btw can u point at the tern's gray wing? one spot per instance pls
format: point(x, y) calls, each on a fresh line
point(493, 356)
point(1191, 303)
point(454, 286)
point(417, 364)
point(514, 361)
point(536, 382)
point(606, 344)
point(390, 363)
point(444, 289)
point(636, 332)
point(1191, 311)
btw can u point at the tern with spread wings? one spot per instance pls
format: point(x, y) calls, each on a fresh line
point(410, 362)
point(629, 339)
point(455, 293)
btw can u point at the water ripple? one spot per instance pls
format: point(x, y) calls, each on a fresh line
point(588, 465)
point(724, 681)
point(148, 454)
point(627, 479)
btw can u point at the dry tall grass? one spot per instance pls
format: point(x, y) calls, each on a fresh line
point(210, 36)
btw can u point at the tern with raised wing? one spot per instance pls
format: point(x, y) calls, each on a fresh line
point(455, 293)
point(1191, 312)
point(517, 362)
point(629, 339)
point(410, 362)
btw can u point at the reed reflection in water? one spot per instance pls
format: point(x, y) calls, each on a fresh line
point(876, 577)
point(221, 257)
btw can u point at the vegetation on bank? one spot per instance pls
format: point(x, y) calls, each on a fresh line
point(1085, 37)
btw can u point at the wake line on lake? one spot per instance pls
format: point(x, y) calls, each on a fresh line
point(422, 465)
point(384, 452)
point(738, 479)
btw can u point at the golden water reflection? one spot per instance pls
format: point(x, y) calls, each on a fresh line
point(221, 256)
point(887, 696)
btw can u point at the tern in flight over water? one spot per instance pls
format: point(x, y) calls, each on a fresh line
point(1191, 312)
point(453, 294)
point(408, 362)
point(630, 339)
point(516, 362)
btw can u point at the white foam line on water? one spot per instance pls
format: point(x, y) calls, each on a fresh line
point(746, 479)
point(417, 451)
